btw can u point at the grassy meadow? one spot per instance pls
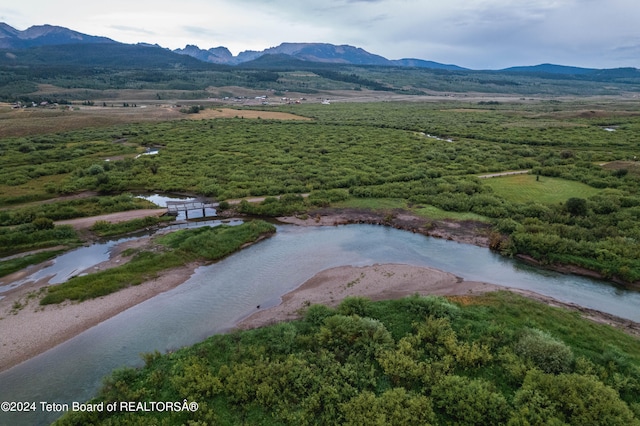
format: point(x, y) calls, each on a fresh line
point(492, 359)
point(546, 190)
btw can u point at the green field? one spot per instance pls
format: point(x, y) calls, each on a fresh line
point(432, 212)
point(546, 190)
point(426, 211)
point(372, 203)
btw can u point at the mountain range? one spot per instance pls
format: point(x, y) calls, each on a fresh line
point(43, 35)
point(311, 52)
point(50, 44)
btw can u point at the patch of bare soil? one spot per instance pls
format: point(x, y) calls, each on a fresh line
point(88, 222)
point(393, 281)
point(244, 113)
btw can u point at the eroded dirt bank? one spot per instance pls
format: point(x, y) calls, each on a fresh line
point(468, 232)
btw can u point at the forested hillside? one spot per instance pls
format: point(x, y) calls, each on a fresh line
point(101, 68)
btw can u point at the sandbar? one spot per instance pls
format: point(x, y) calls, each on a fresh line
point(375, 282)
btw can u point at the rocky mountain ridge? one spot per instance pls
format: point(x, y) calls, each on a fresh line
point(40, 36)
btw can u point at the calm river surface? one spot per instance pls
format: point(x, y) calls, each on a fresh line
point(219, 295)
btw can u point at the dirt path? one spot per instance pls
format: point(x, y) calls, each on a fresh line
point(492, 175)
point(87, 222)
point(244, 113)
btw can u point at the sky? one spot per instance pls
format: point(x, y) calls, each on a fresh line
point(477, 34)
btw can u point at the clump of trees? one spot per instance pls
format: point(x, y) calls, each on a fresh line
point(193, 109)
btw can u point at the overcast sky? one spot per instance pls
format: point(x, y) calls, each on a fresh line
point(478, 34)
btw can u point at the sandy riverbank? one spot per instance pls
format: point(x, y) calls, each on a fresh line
point(376, 282)
point(28, 329)
point(391, 281)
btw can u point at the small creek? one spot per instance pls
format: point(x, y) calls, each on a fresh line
point(215, 297)
point(69, 264)
point(80, 260)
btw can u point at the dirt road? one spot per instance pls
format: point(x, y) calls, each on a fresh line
point(87, 222)
point(492, 175)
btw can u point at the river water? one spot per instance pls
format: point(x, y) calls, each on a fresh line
point(219, 295)
point(69, 264)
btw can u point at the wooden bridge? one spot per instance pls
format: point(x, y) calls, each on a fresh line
point(175, 207)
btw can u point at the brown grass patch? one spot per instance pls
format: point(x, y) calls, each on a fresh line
point(617, 165)
point(36, 121)
point(466, 300)
point(244, 113)
point(632, 166)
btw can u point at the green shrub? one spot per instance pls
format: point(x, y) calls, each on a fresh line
point(545, 352)
point(569, 399)
point(355, 306)
point(353, 334)
point(435, 306)
point(393, 407)
point(470, 401)
point(316, 314)
point(42, 223)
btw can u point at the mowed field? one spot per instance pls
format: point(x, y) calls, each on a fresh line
point(547, 190)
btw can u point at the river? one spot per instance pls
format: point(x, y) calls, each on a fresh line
point(217, 296)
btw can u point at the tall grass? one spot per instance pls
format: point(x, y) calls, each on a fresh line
point(13, 265)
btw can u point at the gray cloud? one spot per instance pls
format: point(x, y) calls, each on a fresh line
point(134, 30)
point(202, 32)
